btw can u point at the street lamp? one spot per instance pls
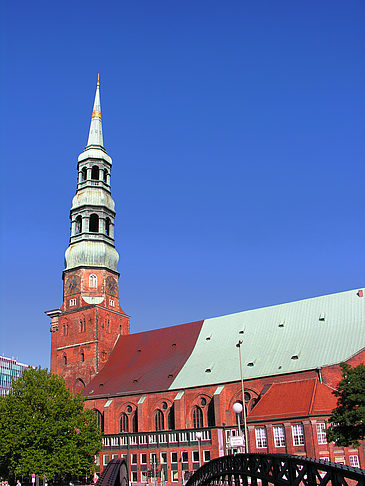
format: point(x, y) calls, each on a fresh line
point(199, 437)
point(238, 345)
point(237, 408)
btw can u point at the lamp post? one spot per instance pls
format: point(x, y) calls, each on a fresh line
point(237, 408)
point(199, 437)
point(238, 345)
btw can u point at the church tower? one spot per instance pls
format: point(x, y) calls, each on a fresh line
point(87, 326)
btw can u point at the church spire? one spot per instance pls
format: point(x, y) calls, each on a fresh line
point(96, 129)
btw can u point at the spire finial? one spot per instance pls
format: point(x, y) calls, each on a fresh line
point(96, 131)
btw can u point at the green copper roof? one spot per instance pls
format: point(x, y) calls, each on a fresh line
point(285, 338)
point(91, 254)
point(94, 197)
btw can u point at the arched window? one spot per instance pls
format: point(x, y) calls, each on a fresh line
point(105, 173)
point(64, 360)
point(211, 414)
point(78, 226)
point(82, 356)
point(84, 174)
point(93, 281)
point(107, 226)
point(124, 423)
point(99, 418)
point(171, 419)
point(135, 422)
point(94, 223)
point(159, 420)
point(79, 385)
point(197, 418)
point(95, 173)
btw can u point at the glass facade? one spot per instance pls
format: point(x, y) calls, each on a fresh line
point(9, 368)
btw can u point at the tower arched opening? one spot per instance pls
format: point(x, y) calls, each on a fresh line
point(107, 226)
point(78, 227)
point(84, 174)
point(95, 173)
point(94, 223)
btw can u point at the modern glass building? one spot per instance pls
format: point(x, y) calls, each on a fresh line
point(9, 368)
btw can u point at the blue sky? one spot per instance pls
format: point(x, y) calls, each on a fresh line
point(237, 136)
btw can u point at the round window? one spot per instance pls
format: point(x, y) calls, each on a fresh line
point(129, 409)
point(164, 406)
point(203, 402)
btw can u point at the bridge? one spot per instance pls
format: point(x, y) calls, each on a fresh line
point(254, 470)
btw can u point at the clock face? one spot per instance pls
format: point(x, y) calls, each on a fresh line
point(72, 285)
point(111, 285)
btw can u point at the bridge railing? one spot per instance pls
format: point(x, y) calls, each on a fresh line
point(275, 469)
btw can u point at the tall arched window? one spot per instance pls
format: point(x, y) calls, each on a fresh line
point(64, 360)
point(79, 385)
point(78, 227)
point(105, 173)
point(99, 418)
point(94, 223)
point(95, 173)
point(211, 414)
point(197, 418)
point(107, 226)
point(93, 281)
point(159, 420)
point(82, 355)
point(84, 174)
point(135, 422)
point(124, 423)
point(171, 419)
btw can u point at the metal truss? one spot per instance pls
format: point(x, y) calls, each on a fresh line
point(275, 469)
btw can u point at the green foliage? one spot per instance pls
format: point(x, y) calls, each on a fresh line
point(45, 430)
point(348, 418)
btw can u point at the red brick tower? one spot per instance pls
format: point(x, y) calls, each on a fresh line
point(87, 326)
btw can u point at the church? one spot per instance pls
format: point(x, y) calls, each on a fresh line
point(170, 399)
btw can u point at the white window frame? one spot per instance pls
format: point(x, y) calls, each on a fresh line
point(105, 459)
point(321, 433)
point(204, 454)
point(261, 437)
point(279, 436)
point(298, 434)
point(193, 453)
point(111, 302)
point(177, 457)
point(182, 457)
point(162, 461)
point(354, 460)
point(134, 456)
point(174, 474)
point(141, 455)
point(72, 302)
point(93, 281)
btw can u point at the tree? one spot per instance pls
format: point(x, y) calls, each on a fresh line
point(348, 418)
point(45, 430)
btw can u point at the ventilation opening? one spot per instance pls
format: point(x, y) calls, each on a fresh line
point(251, 363)
point(295, 356)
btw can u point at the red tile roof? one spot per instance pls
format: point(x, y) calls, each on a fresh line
point(145, 362)
point(294, 399)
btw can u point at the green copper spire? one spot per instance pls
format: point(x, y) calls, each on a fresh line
point(92, 212)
